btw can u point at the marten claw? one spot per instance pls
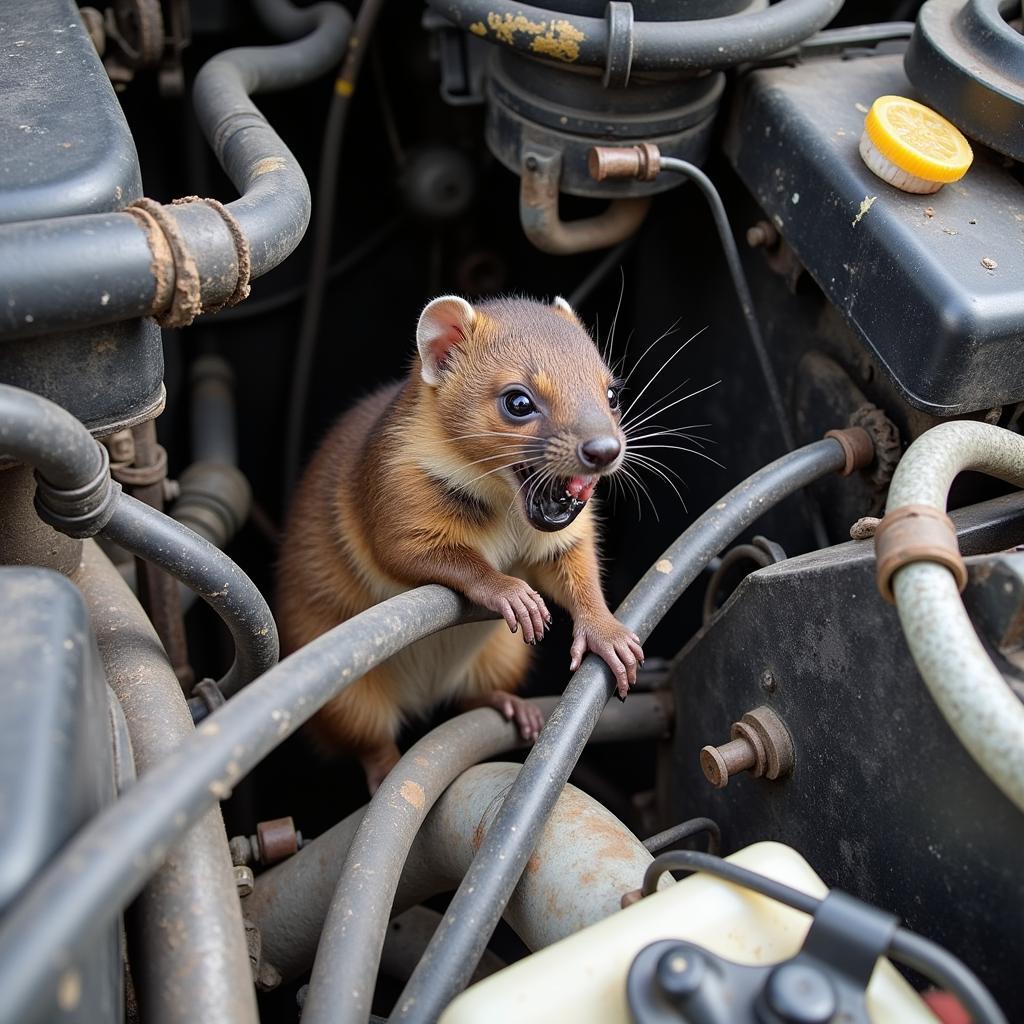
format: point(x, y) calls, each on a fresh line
point(617, 646)
point(519, 605)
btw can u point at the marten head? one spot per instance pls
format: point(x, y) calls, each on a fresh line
point(525, 401)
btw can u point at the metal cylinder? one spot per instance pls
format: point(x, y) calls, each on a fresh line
point(187, 945)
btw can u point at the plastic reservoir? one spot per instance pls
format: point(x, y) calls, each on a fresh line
point(583, 977)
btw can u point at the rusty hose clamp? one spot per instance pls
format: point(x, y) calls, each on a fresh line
point(171, 260)
point(916, 533)
point(242, 253)
point(142, 476)
point(642, 162)
point(857, 446)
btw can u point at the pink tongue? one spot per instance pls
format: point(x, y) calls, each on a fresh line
point(581, 487)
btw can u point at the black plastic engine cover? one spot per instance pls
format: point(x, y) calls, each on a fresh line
point(66, 149)
point(883, 802)
point(56, 768)
point(934, 284)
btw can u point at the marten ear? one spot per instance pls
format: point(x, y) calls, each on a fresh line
point(446, 323)
point(563, 309)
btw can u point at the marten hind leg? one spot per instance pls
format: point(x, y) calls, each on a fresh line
point(498, 669)
point(363, 721)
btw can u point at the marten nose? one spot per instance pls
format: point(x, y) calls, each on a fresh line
point(599, 452)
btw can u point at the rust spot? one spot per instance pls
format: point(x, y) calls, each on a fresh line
point(505, 28)
point(588, 878)
point(664, 566)
point(69, 990)
point(268, 165)
point(478, 835)
point(533, 864)
point(478, 28)
point(412, 793)
point(561, 41)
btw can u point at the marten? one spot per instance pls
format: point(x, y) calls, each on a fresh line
point(476, 472)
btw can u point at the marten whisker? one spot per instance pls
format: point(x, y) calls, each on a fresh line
point(660, 370)
point(508, 465)
point(630, 475)
point(685, 398)
point(622, 480)
point(656, 468)
point(661, 337)
point(496, 433)
point(654, 407)
point(504, 453)
point(679, 448)
point(698, 439)
point(606, 351)
point(532, 475)
point(649, 461)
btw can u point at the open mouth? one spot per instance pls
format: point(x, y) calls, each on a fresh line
point(554, 504)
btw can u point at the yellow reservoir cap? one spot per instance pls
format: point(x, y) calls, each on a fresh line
point(918, 141)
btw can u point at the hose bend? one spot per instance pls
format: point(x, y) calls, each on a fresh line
point(538, 211)
point(969, 690)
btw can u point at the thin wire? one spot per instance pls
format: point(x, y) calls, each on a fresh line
point(739, 283)
point(906, 947)
point(323, 230)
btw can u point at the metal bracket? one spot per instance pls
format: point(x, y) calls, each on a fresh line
point(618, 15)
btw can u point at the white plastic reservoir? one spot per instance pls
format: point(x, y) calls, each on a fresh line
point(583, 978)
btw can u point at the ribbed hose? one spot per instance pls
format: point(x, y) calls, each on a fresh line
point(969, 690)
point(492, 877)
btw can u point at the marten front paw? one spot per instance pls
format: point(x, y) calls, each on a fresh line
point(611, 641)
point(517, 603)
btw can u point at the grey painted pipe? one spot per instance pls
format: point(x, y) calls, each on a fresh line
point(503, 855)
point(188, 952)
point(110, 859)
point(65, 456)
point(655, 45)
point(216, 578)
point(349, 950)
point(567, 888)
point(987, 717)
point(98, 268)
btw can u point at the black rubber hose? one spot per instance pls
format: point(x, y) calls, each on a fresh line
point(98, 268)
point(687, 830)
point(906, 947)
point(274, 208)
point(656, 45)
point(71, 468)
point(105, 865)
point(478, 904)
point(43, 435)
point(194, 561)
point(323, 232)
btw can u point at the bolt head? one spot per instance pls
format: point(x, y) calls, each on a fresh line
point(245, 880)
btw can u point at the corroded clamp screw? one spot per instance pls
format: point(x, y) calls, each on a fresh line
point(642, 162)
point(760, 744)
point(275, 840)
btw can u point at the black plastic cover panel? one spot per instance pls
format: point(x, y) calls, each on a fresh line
point(933, 284)
point(56, 768)
point(65, 147)
point(54, 736)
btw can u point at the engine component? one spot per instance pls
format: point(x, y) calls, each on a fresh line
point(65, 150)
point(965, 59)
point(584, 977)
point(760, 744)
point(52, 686)
point(854, 707)
point(935, 287)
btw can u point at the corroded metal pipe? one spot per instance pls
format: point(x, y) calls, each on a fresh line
point(188, 953)
point(357, 875)
point(985, 714)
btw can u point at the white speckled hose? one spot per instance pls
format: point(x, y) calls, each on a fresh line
point(969, 690)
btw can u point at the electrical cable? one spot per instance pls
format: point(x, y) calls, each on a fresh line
point(323, 230)
point(907, 947)
point(686, 830)
point(261, 307)
point(742, 289)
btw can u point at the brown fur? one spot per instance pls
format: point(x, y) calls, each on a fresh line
point(397, 496)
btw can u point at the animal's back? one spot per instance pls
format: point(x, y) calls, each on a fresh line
point(322, 569)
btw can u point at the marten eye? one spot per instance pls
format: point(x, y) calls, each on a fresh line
point(518, 403)
point(613, 398)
